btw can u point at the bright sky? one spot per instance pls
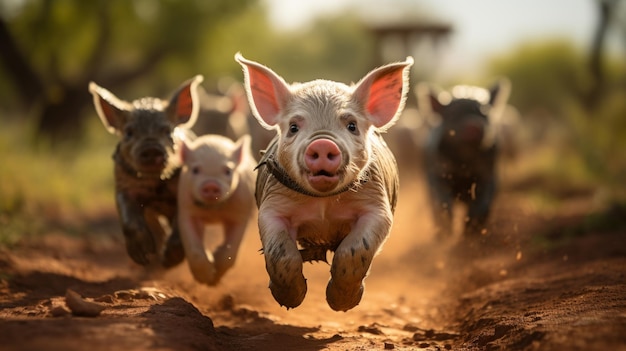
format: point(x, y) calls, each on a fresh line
point(481, 27)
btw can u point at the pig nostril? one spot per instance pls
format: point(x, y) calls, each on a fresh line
point(151, 154)
point(323, 155)
point(211, 191)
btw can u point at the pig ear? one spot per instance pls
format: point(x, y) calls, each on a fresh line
point(241, 147)
point(110, 109)
point(427, 99)
point(267, 91)
point(383, 91)
point(184, 105)
point(498, 97)
point(430, 103)
point(499, 92)
point(183, 150)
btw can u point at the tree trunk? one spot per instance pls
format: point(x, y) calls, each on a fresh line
point(28, 85)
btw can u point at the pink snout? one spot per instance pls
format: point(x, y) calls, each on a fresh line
point(323, 158)
point(473, 132)
point(210, 191)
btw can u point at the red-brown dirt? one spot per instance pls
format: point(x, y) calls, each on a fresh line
point(536, 281)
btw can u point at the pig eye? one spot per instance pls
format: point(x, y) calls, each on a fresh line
point(293, 128)
point(351, 127)
point(228, 171)
point(195, 170)
point(165, 130)
point(128, 133)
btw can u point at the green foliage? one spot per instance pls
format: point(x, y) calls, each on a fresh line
point(550, 84)
point(600, 138)
point(333, 48)
point(337, 48)
point(546, 75)
point(40, 186)
point(75, 41)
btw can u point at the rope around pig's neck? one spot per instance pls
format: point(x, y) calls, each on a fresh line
point(281, 175)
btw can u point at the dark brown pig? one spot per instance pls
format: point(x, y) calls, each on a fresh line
point(216, 187)
point(328, 180)
point(461, 152)
point(146, 171)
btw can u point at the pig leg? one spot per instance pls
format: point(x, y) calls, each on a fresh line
point(442, 202)
point(174, 252)
point(478, 209)
point(226, 254)
point(155, 227)
point(353, 258)
point(140, 243)
point(200, 261)
point(283, 261)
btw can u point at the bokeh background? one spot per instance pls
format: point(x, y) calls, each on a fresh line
point(566, 60)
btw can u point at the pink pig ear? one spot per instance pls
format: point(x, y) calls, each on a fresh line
point(183, 150)
point(267, 91)
point(241, 147)
point(383, 91)
point(110, 109)
point(184, 105)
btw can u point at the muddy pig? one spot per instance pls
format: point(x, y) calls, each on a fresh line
point(146, 170)
point(328, 180)
point(461, 152)
point(216, 186)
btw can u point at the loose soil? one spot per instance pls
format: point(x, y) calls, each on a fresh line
point(542, 278)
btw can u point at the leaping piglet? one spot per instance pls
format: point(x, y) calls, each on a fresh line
point(328, 181)
point(216, 187)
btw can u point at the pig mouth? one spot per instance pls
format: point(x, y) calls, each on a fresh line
point(151, 159)
point(323, 181)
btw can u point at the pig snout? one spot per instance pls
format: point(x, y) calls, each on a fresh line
point(323, 158)
point(473, 132)
point(210, 191)
point(152, 157)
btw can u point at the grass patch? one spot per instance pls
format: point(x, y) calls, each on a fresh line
point(41, 185)
point(611, 219)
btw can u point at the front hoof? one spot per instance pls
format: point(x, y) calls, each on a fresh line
point(343, 298)
point(174, 252)
point(141, 248)
point(289, 295)
point(204, 273)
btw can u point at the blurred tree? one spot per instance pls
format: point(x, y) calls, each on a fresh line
point(552, 82)
point(52, 49)
point(606, 16)
point(337, 48)
point(544, 75)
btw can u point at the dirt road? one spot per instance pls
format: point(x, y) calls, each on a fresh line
point(537, 281)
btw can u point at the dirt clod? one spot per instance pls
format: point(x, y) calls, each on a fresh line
point(81, 307)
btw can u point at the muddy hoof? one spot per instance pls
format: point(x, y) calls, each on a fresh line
point(343, 298)
point(289, 295)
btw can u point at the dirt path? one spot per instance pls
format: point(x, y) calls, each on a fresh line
point(537, 283)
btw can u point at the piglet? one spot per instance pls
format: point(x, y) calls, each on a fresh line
point(146, 169)
point(216, 186)
point(461, 152)
point(328, 180)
